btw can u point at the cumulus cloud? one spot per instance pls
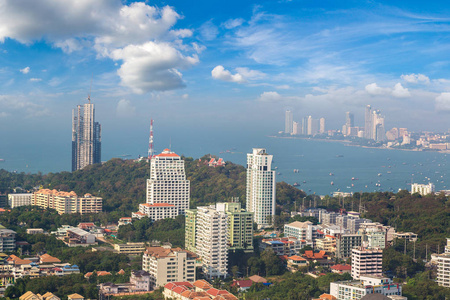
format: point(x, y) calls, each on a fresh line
point(400, 92)
point(125, 109)
point(35, 79)
point(25, 70)
point(415, 78)
point(185, 96)
point(152, 66)
point(233, 23)
point(220, 73)
point(208, 31)
point(251, 74)
point(114, 30)
point(270, 96)
point(374, 89)
point(443, 102)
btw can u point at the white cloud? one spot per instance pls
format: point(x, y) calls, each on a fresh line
point(25, 70)
point(124, 33)
point(443, 102)
point(185, 96)
point(270, 97)
point(220, 73)
point(374, 89)
point(152, 66)
point(125, 109)
point(3, 114)
point(251, 74)
point(233, 23)
point(415, 78)
point(208, 31)
point(35, 79)
point(400, 92)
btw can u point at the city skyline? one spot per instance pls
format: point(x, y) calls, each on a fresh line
point(215, 66)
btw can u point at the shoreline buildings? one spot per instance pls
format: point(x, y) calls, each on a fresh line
point(168, 190)
point(261, 187)
point(86, 137)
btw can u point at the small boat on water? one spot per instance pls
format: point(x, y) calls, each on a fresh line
point(332, 183)
point(353, 178)
point(331, 174)
point(296, 184)
point(1, 159)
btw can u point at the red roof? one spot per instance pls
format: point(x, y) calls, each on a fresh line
point(342, 267)
point(215, 292)
point(243, 283)
point(179, 289)
point(331, 236)
point(314, 255)
point(319, 231)
point(296, 257)
point(167, 153)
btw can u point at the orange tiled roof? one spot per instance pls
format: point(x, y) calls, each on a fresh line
point(158, 205)
point(202, 284)
point(296, 257)
point(314, 255)
point(45, 258)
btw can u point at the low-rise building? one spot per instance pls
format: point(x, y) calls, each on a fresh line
point(341, 269)
point(140, 280)
point(66, 202)
point(328, 243)
point(78, 237)
point(165, 264)
point(31, 296)
point(35, 231)
point(199, 290)
point(409, 236)
point(16, 200)
point(284, 246)
point(130, 248)
point(296, 261)
point(356, 289)
point(7, 240)
point(302, 231)
point(125, 221)
point(422, 189)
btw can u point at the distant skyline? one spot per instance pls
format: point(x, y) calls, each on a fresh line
point(219, 67)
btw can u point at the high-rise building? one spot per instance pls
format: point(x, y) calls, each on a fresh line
point(423, 189)
point(443, 271)
point(211, 240)
point(366, 262)
point(296, 129)
point(289, 119)
point(305, 126)
point(167, 187)
point(261, 187)
point(16, 200)
point(240, 226)
point(349, 120)
point(368, 132)
point(322, 125)
point(86, 137)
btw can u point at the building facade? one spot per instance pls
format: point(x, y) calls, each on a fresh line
point(240, 226)
point(165, 264)
point(168, 189)
point(212, 241)
point(344, 290)
point(86, 137)
point(67, 202)
point(16, 200)
point(345, 243)
point(7, 240)
point(366, 262)
point(423, 189)
point(443, 271)
point(289, 121)
point(260, 187)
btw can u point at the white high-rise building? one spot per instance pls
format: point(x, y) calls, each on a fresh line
point(212, 241)
point(321, 125)
point(443, 271)
point(260, 187)
point(366, 262)
point(422, 189)
point(167, 185)
point(289, 119)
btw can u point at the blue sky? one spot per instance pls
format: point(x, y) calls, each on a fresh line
point(234, 65)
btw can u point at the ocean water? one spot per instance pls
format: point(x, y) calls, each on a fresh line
point(323, 167)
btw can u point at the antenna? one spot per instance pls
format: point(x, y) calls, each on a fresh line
point(90, 88)
point(150, 141)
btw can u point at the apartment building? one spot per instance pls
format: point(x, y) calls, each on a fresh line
point(345, 243)
point(366, 262)
point(16, 200)
point(66, 202)
point(302, 231)
point(356, 289)
point(260, 187)
point(165, 264)
point(212, 241)
point(7, 240)
point(157, 211)
point(240, 226)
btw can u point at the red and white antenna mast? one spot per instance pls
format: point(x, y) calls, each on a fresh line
point(150, 142)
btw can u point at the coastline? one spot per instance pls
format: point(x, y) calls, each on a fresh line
point(351, 144)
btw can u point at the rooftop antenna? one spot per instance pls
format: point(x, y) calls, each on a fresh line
point(90, 88)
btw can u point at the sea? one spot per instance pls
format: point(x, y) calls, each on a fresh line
point(315, 166)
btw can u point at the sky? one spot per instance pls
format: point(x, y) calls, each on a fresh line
point(227, 67)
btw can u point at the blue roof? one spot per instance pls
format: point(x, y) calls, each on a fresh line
point(276, 242)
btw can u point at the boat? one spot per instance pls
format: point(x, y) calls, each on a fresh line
point(379, 174)
point(296, 184)
point(331, 174)
point(332, 183)
point(304, 181)
point(278, 173)
point(295, 170)
point(1, 159)
point(353, 178)
point(339, 155)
